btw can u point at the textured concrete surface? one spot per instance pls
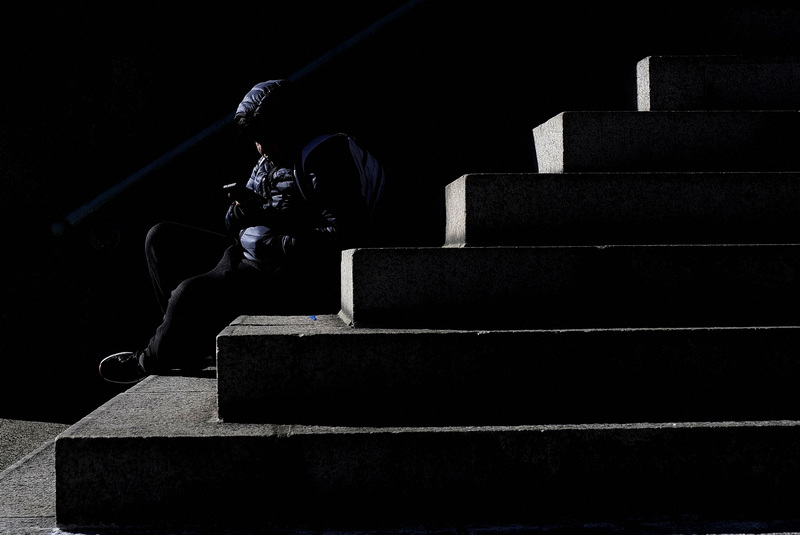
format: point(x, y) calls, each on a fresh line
point(571, 287)
point(20, 437)
point(27, 492)
point(718, 83)
point(27, 507)
point(595, 141)
point(622, 208)
point(156, 454)
point(303, 371)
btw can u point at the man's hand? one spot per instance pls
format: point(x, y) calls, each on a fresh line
point(244, 197)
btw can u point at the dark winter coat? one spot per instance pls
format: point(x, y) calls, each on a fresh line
point(326, 204)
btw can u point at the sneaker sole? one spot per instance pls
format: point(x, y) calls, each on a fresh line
point(100, 370)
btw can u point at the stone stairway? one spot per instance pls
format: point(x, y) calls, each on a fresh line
point(614, 338)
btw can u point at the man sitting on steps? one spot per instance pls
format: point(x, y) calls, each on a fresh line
point(311, 195)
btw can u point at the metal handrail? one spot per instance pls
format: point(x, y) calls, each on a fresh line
point(74, 217)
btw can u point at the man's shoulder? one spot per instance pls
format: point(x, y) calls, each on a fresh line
point(325, 150)
point(326, 142)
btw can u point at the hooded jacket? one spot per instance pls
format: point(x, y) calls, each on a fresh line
point(326, 203)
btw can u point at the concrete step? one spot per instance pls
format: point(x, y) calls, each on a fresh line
point(20, 437)
point(571, 287)
point(602, 141)
point(718, 83)
point(297, 370)
point(27, 493)
point(157, 455)
point(622, 208)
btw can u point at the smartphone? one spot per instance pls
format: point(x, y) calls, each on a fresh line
point(241, 192)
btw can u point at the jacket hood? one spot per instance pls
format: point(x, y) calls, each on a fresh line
point(266, 102)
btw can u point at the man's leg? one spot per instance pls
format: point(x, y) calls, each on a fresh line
point(201, 306)
point(176, 252)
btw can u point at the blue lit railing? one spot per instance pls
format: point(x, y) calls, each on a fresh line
point(73, 218)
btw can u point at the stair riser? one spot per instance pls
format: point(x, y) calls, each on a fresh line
point(622, 208)
point(668, 141)
point(333, 375)
point(571, 287)
point(717, 83)
point(368, 479)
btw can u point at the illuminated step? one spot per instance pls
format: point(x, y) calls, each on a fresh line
point(622, 208)
point(602, 141)
point(718, 83)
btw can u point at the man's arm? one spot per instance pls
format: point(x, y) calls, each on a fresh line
point(341, 213)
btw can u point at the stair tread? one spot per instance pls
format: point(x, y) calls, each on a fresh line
point(351, 475)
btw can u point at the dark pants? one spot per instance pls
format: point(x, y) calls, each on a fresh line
point(202, 284)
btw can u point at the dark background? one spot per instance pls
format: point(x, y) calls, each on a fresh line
point(92, 95)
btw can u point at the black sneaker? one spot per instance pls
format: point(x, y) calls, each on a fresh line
point(122, 368)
